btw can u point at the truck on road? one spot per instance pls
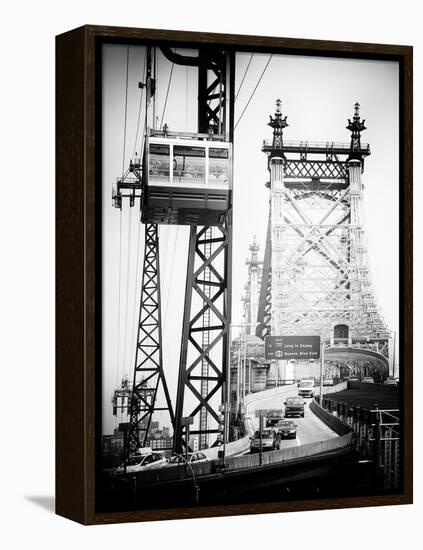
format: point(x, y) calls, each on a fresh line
point(306, 387)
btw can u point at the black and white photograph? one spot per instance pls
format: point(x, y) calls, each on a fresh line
point(251, 340)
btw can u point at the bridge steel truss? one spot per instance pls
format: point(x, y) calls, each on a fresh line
point(149, 377)
point(149, 383)
point(204, 345)
point(319, 270)
point(204, 357)
point(208, 280)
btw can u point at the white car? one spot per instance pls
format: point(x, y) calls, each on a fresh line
point(193, 458)
point(142, 462)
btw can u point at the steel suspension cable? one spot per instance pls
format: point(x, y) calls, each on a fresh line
point(167, 94)
point(119, 298)
point(120, 219)
point(136, 287)
point(140, 106)
point(245, 74)
point(126, 110)
point(128, 268)
point(254, 91)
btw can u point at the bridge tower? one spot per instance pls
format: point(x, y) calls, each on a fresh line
point(185, 178)
point(315, 273)
point(252, 288)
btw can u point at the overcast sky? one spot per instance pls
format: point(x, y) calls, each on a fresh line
point(318, 95)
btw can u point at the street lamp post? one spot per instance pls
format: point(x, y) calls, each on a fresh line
point(228, 378)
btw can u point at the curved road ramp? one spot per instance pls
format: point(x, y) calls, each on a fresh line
point(318, 434)
point(323, 448)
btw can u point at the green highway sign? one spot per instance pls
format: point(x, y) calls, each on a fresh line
point(292, 347)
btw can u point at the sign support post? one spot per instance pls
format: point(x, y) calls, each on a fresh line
point(261, 437)
point(322, 366)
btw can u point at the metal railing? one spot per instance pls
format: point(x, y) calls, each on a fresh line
point(327, 145)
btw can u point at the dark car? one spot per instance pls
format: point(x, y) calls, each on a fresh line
point(287, 428)
point(294, 406)
point(273, 417)
point(269, 440)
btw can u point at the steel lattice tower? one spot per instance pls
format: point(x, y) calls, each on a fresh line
point(149, 377)
point(319, 278)
point(204, 354)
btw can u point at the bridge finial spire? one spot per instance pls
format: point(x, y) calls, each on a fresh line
point(356, 126)
point(278, 123)
point(254, 248)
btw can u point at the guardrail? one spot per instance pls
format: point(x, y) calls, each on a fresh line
point(336, 444)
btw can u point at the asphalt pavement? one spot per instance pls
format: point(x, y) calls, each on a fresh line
point(309, 429)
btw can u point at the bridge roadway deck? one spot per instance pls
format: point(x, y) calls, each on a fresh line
point(315, 456)
point(310, 428)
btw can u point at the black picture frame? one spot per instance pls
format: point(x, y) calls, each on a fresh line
point(78, 256)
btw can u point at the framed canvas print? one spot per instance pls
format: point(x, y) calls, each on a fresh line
point(234, 274)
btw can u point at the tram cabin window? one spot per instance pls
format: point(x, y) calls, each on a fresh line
point(189, 164)
point(158, 169)
point(218, 166)
point(171, 162)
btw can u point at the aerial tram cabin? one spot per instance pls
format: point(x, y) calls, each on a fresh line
point(187, 179)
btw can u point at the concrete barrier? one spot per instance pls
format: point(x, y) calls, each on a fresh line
point(333, 422)
point(292, 453)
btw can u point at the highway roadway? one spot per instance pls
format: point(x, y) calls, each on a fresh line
point(310, 428)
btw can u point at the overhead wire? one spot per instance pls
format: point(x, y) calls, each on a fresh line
point(119, 299)
point(140, 105)
point(245, 74)
point(254, 91)
point(135, 301)
point(135, 298)
point(120, 223)
point(126, 111)
point(128, 269)
point(167, 94)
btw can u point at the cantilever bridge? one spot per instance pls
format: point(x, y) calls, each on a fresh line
point(315, 277)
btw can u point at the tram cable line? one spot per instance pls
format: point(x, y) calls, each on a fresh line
point(243, 78)
point(140, 109)
point(136, 288)
point(119, 299)
point(254, 91)
point(167, 95)
point(126, 111)
point(128, 269)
